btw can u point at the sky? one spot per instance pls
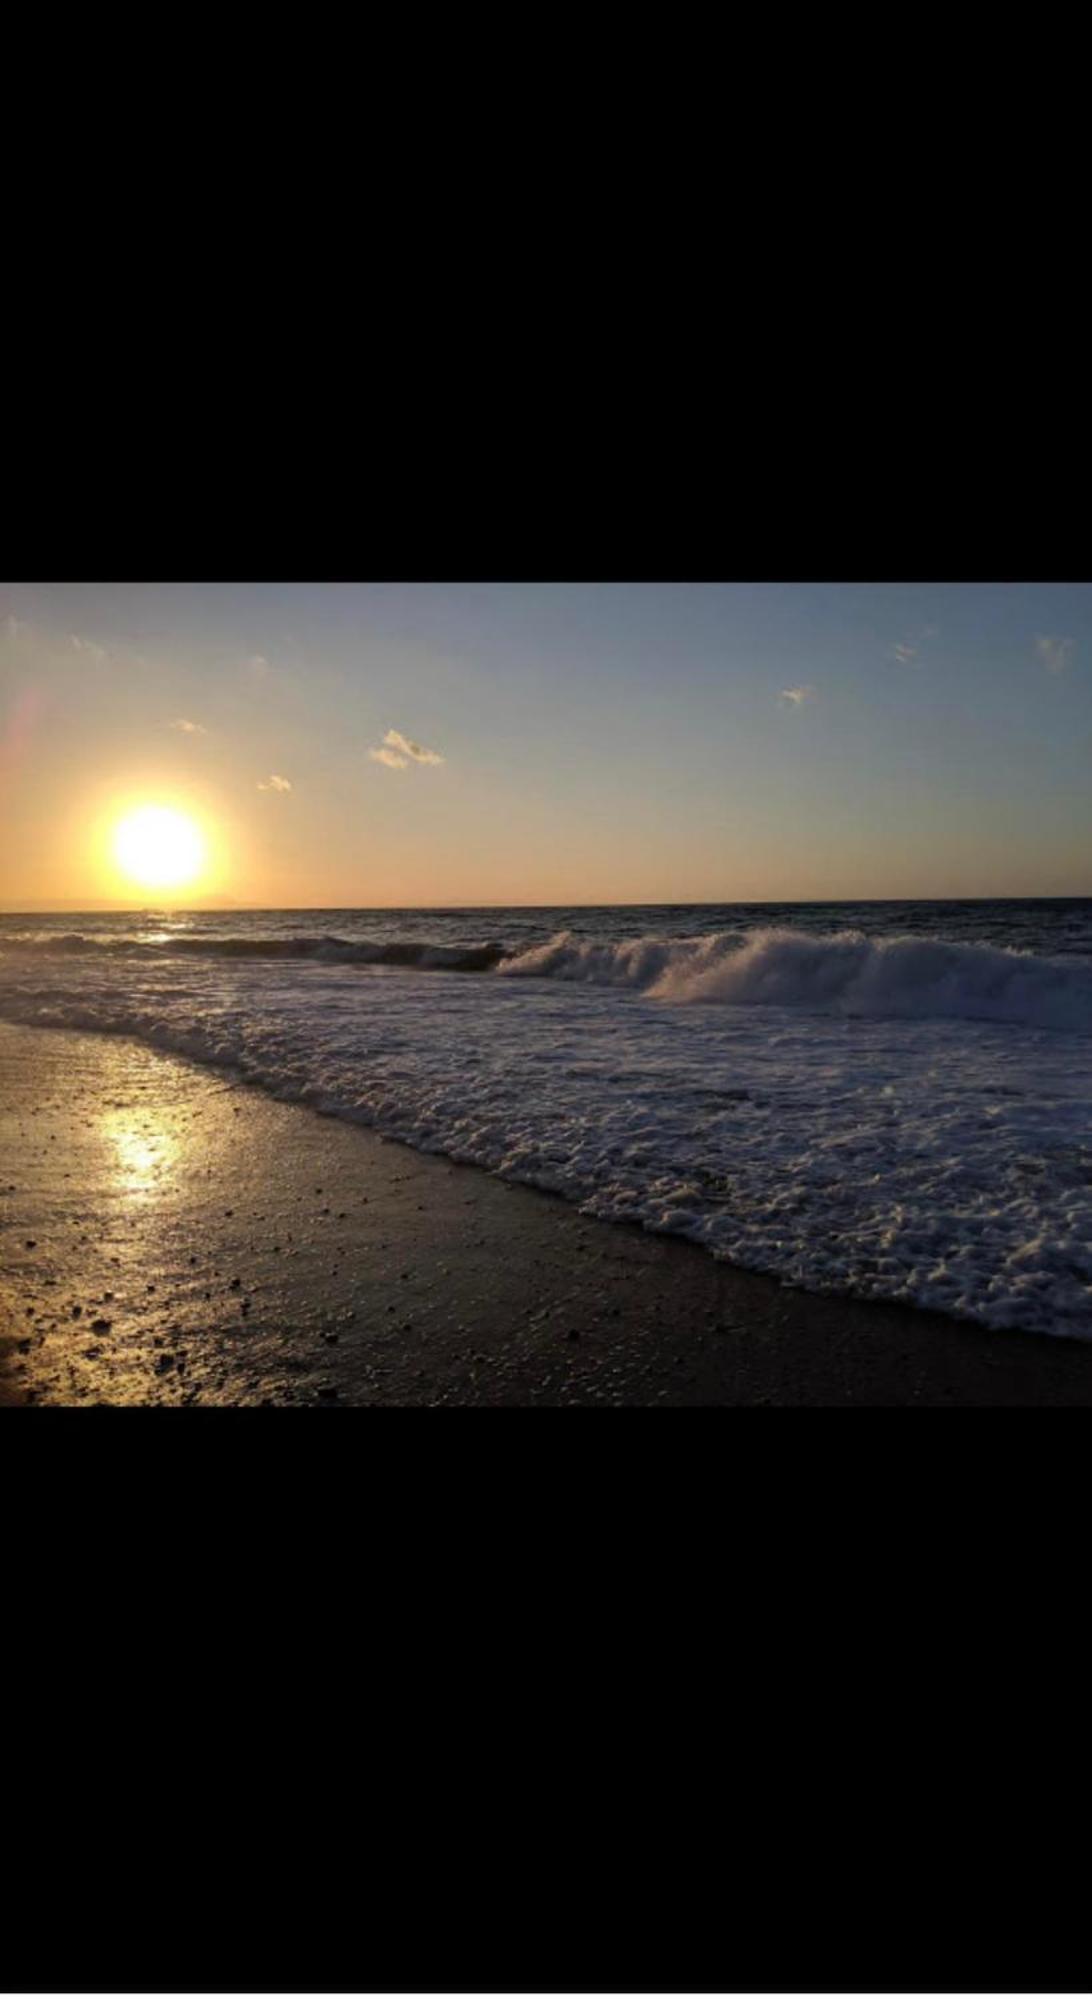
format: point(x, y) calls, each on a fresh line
point(378, 745)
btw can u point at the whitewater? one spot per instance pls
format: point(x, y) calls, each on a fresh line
point(894, 1101)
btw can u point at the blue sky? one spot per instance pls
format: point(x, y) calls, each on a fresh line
point(594, 742)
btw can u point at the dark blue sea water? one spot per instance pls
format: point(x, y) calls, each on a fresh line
point(1050, 926)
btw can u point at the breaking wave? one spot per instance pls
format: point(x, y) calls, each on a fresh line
point(847, 973)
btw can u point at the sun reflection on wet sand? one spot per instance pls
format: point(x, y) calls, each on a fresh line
point(144, 1149)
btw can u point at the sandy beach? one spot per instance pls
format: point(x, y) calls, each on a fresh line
point(169, 1236)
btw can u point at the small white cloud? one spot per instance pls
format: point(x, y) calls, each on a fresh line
point(275, 784)
point(15, 628)
point(796, 696)
point(388, 757)
point(1056, 654)
point(257, 666)
point(190, 728)
point(407, 748)
point(98, 653)
point(904, 652)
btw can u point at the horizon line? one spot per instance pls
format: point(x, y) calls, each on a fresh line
point(106, 907)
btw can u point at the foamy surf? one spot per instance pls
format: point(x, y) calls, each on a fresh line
point(846, 972)
point(905, 1116)
point(904, 978)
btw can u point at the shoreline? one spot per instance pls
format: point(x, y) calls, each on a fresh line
point(171, 1235)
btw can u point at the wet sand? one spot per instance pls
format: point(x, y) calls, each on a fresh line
point(169, 1236)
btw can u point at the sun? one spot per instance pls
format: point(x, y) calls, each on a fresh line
point(159, 848)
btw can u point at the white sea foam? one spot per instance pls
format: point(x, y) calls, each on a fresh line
point(902, 1118)
point(907, 978)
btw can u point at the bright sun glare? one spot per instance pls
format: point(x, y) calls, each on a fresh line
point(159, 848)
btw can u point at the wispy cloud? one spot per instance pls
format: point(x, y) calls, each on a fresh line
point(98, 653)
point(1056, 654)
point(275, 783)
point(904, 652)
point(257, 666)
point(408, 748)
point(398, 749)
point(15, 628)
point(189, 728)
point(797, 696)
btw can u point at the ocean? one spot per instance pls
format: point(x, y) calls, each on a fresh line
point(888, 1099)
